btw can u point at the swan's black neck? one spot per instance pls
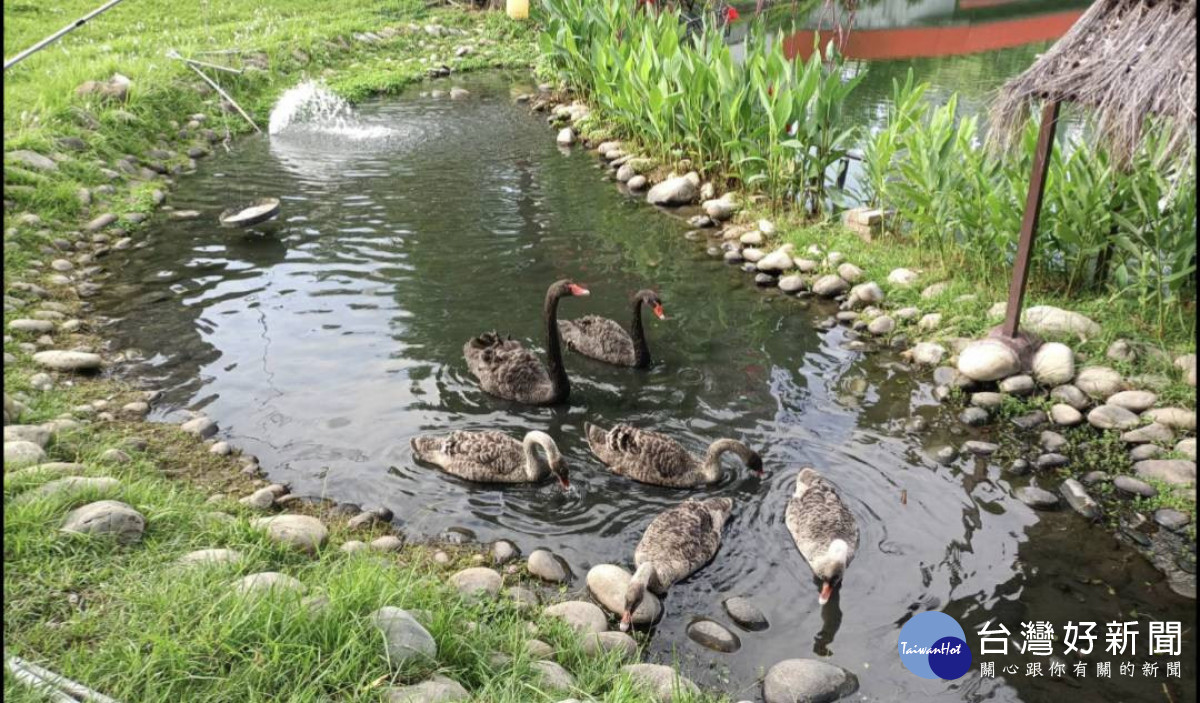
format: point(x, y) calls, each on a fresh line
point(560, 385)
point(641, 352)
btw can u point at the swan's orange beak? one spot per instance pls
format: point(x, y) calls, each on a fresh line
point(826, 593)
point(577, 289)
point(658, 311)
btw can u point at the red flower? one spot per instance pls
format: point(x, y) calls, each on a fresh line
point(731, 14)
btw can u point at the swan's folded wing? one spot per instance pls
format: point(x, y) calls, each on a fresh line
point(657, 451)
point(597, 337)
point(496, 452)
point(819, 516)
point(679, 541)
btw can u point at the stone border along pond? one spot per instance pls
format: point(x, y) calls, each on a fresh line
point(1112, 407)
point(296, 522)
point(1084, 436)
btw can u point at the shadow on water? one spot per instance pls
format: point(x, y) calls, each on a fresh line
point(325, 345)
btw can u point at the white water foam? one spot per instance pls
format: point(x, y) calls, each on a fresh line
point(311, 107)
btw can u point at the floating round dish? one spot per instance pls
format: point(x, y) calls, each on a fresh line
point(258, 211)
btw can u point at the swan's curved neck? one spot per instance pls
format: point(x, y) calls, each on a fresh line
point(711, 469)
point(560, 385)
point(647, 576)
point(535, 467)
point(641, 352)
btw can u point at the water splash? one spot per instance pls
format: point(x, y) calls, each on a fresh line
point(311, 107)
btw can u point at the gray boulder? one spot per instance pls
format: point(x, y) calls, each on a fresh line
point(662, 682)
point(405, 639)
point(110, 518)
point(681, 190)
point(807, 681)
point(439, 689)
point(988, 360)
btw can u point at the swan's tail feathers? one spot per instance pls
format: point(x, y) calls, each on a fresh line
point(595, 435)
point(424, 446)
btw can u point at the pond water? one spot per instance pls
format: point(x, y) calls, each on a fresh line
point(328, 338)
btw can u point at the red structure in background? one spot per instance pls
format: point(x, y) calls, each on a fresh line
point(915, 42)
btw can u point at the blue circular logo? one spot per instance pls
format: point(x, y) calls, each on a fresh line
point(932, 645)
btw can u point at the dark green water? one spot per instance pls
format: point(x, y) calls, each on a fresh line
point(325, 341)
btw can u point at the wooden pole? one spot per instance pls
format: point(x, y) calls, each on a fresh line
point(1029, 223)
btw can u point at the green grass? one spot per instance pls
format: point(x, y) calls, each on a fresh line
point(1119, 318)
point(124, 619)
point(127, 621)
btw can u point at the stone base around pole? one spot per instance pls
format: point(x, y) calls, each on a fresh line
point(1024, 344)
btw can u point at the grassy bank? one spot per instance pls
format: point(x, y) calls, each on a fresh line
point(1115, 244)
point(129, 620)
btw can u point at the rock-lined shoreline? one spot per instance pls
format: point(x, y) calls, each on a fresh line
point(979, 379)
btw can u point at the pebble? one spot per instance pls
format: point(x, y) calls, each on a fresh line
point(211, 557)
point(1070, 395)
point(604, 642)
point(1079, 499)
point(1031, 420)
point(107, 518)
point(70, 488)
point(546, 567)
point(981, 448)
point(1172, 519)
point(1133, 486)
point(1052, 441)
point(1019, 467)
point(301, 531)
point(353, 545)
point(714, 636)
point(608, 583)
point(1053, 364)
point(581, 615)
point(268, 581)
point(387, 543)
point(1099, 381)
point(1187, 447)
point(1064, 415)
point(973, 417)
point(1018, 385)
point(263, 499)
point(1154, 432)
point(1037, 498)
point(1051, 461)
point(1144, 451)
point(477, 582)
point(32, 326)
point(200, 426)
point(662, 682)
point(809, 680)
point(745, 613)
point(406, 640)
point(1177, 418)
point(552, 676)
point(504, 551)
point(881, 325)
point(58, 360)
point(987, 399)
point(37, 434)
point(522, 597)
point(1111, 417)
point(439, 689)
point(21, 454)
point(1091, 478)
point(115, 456)
point(1134, 401)
point(945, 455)
point(1174, 471)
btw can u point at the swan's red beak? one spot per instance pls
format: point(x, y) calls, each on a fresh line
point(658, 312)
point(566, 485)
point(577, 289)
point(826, 593)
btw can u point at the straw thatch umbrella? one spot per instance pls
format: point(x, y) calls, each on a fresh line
point(1127, 61)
